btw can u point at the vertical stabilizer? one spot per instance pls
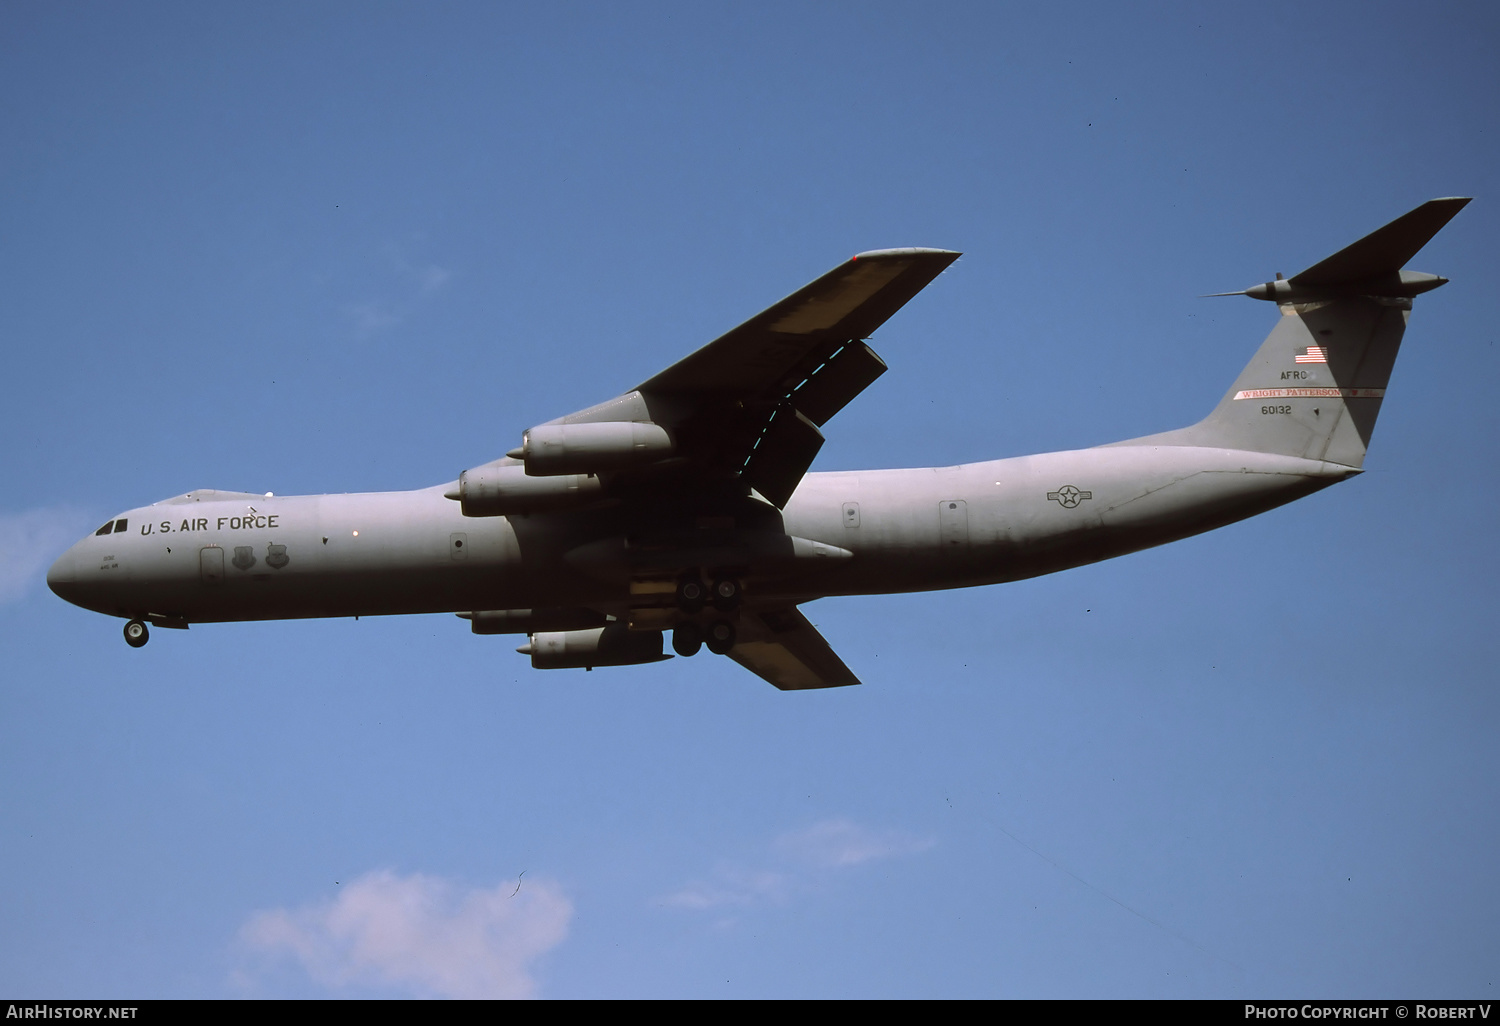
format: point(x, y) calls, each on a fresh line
point(1315, 386)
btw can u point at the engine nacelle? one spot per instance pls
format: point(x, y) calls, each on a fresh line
point(499, 490)
point(613, 645)
point(552, 449)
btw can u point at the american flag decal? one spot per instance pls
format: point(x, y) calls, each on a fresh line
point(1312, 354)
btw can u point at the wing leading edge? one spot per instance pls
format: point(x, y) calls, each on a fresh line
point(847, 303)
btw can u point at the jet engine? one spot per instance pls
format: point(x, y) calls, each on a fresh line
point(553, 449)
point(502, 489)
point(612, 645)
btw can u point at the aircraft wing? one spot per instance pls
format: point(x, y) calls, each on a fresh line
point(749, 404)
point(783, 647)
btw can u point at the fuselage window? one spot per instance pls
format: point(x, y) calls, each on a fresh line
point(106, 528)
point(120, 525)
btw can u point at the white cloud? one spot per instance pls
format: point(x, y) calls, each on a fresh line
point(432, 277)
point(832, 844)
point(369, 318)
point(406, 284)
point(731, 887)
point(427, 278)
point(30, 541)
point(842, 842)
point(420, 933)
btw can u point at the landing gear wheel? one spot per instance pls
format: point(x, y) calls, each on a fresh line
point(691, 594)
point(726, 593)
point(136, 634)
point(687, 639)
point(720, 637)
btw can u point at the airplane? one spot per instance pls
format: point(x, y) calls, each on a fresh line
point(685, 504)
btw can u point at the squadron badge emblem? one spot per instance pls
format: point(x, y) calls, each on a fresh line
point(244, 557)
point(276, 556)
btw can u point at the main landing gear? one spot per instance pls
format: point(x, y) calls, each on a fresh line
point(688, 638)
point(724, 594)
point(691, 595)
point(136, 633)
point(720, 637)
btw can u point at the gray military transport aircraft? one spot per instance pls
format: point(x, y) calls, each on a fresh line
point(685, 504)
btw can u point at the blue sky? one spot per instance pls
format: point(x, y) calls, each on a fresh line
point(350, 247)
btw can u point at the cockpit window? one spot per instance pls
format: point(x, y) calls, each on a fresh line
point(106, 528)
point(120, 525)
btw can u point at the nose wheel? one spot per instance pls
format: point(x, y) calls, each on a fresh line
point(136, 633)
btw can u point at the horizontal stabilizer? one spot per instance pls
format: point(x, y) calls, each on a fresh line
point(1385, 250)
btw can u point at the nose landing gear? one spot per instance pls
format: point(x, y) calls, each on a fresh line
point(136, 633)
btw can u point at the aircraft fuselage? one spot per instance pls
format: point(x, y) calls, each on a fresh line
point(204, 558)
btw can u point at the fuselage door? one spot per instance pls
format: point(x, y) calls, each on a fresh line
point(953, 525)
point(211, 564)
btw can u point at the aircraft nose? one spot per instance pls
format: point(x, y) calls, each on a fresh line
point(62, 577)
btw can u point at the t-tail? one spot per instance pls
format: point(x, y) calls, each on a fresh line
point(1315, 386)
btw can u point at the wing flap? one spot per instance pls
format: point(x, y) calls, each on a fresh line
point(781, 646)
point(833, 385)
point(782, 455)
